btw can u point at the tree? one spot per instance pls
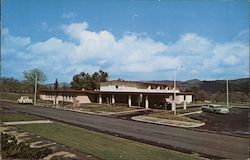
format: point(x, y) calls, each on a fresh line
point(30, 76)
point(56, 85)
point(87, 81)
point(103, 76)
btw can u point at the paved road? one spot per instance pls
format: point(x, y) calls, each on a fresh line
point(199, 142)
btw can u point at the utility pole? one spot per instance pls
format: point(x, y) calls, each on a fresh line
point(174, 104)
point(227, 93)
point(174, 100)
point(35, 88)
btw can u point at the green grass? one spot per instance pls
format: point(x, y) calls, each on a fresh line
point(10, 117)
point(171, 116)
point(12, 96)
point(104, 108)
point(188, 110)
point(102, 145)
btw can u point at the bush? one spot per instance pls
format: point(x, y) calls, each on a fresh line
point(12, 149)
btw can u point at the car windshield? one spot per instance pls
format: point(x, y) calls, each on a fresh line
point(215, 106)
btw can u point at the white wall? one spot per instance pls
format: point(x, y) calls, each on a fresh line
point(131, 86)
point(82, 99)
point(179, 99)
point(189, 98)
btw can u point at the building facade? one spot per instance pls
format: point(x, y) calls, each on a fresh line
point(142, 94)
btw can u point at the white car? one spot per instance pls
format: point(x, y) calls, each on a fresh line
point(25, 100)
point(215, 109)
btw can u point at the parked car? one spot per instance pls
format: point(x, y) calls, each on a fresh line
point(25, 100)
point(215, 109)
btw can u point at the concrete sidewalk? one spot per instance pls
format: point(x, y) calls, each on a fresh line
point(26, 122)
point(167, 122)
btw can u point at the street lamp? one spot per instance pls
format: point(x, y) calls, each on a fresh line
point(227, 94)
point(174, 100)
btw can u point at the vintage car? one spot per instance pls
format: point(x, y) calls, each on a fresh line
point(215, 109)
point(24, 100)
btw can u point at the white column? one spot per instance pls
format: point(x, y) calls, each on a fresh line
point(185, 104)
point(146, 101)
point(100, 99)
point(113, 99)
point(129, 100)
point(173, 107)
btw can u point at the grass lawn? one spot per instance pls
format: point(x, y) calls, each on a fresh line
point(171, 116)
point(98, 144)
point(188, 110)
point(12, 96)
point(102, 145)
point(8, 117)
point(104, 108)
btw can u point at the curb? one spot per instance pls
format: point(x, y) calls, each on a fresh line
point(167, 122)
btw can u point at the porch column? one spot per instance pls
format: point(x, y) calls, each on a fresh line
point(185, 104)
point(173, 106)
point(100, 99)
point(129, 100)
point(146, 102)
point(55, 101)
point(113, 99)
point(139, 99)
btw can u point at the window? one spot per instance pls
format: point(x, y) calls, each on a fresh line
point(116, 86)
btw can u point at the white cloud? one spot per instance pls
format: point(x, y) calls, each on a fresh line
point(191, 43)
point(69, 15)
point(52, 46)
point(159, 33)
point(14, 41)
point(133, 54)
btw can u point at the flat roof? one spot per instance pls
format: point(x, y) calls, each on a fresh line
point(138, 82)
point(71, 91)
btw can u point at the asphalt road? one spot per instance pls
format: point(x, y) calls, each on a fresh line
point(189, 140)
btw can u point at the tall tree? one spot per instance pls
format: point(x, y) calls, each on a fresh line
point(87, 81)
point(56, 85)
point(103, 76)
point(30, 76)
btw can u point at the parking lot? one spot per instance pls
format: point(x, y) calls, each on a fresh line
point(235, 123)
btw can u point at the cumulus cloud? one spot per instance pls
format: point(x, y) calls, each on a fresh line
point(135, 55)
point(14, 41)
point(191, 43)
point(69, 15)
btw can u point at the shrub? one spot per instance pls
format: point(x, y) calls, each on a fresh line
point(12, 149)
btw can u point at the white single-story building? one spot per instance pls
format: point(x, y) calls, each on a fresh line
point(143, 94)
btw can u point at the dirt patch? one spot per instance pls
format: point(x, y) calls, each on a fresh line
point(234, 123)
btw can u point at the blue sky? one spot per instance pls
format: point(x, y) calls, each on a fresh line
point(132, 40)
